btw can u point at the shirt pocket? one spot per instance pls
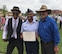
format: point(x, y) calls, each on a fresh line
point(25, 28)
point(47, 27)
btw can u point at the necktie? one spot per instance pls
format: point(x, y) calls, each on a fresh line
point(14, 30)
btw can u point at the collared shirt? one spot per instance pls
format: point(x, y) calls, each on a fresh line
point(59, 18)
point(5, 27)
point(48, 30)
point(28, 27)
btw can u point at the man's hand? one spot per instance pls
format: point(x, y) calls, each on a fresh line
point(21, 35)
point(4, 40)
point(36, 36)
point(56, 49)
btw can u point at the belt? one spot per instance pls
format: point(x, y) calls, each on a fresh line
point(44, 42)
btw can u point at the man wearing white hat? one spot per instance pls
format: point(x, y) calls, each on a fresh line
point(48, 32)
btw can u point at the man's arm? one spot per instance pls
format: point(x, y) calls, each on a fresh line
point(56, 36)
point(22, 17)
point(5, 31)
point(21, 32)
point(21, 35)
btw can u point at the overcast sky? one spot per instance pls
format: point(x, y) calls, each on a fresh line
point(32, 4)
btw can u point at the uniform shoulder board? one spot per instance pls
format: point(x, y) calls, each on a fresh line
point(37, 20)
point(24, 21)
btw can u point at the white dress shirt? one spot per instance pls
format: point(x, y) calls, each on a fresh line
point(59, 18)
point(5, 28)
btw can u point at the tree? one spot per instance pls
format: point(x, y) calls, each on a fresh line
point(4, 10)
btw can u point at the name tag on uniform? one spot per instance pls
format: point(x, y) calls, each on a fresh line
point(29, 36)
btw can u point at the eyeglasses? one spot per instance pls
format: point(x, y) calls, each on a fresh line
point(15, 13)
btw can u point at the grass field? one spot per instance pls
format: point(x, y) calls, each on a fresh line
point(3, 45)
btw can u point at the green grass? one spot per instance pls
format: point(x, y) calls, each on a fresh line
point(3, 45)
point(60, 45)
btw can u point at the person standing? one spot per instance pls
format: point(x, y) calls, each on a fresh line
point(60, 21)
point(31, 25)
point(48, 32)
point(0, 22)
point(12, 31)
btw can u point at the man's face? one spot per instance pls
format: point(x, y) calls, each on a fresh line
point(43, 14)
point(15, 14)
point(30, 15)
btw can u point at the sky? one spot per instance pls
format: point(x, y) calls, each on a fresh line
point(31, 4)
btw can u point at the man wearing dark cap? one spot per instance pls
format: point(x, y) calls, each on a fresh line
point(34, 15)
point(12, 31)
point(31, 25)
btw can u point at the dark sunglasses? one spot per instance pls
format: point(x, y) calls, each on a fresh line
point(15, 13)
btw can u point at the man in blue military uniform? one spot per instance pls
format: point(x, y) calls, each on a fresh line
point(31, 25)
point(48, 32)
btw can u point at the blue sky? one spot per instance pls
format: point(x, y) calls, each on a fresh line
point(32, 4)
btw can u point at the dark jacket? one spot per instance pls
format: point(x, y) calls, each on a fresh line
point(10, 29)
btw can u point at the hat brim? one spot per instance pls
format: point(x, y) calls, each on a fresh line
point(16, 10)
point(43, 10)
point(48, 10)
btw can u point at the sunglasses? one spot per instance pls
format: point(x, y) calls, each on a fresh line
point(15, 12)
